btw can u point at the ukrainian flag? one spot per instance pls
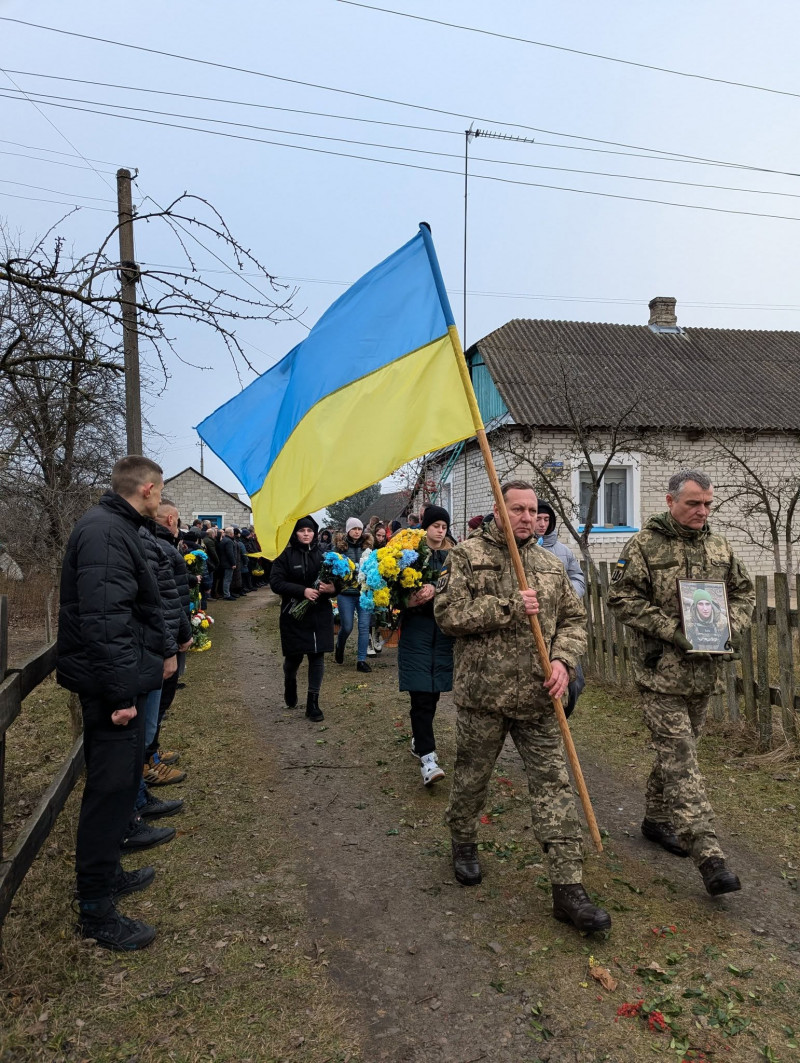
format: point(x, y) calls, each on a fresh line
point(379, 380)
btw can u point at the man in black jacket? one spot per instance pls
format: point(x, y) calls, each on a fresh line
point(228, 558)
point(111, 651)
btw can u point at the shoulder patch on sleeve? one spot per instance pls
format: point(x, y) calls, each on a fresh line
point(441, 583)
point(619, 568)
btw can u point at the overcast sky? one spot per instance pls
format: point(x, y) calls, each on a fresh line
point(319, 219)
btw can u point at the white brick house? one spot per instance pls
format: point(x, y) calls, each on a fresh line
point(197, 496)
point(681, 394)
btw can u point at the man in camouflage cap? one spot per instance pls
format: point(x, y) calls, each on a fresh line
point(499, 689)
point(675, 680)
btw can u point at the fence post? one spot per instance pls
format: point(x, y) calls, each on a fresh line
point(598, 628)
point(591, 663)
point(785, 661)
point(608, 624)
point(762, 664)
point(733, 697)
point(748, 682)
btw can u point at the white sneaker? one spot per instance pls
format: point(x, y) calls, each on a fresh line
point(429, 766)
point(370, 649)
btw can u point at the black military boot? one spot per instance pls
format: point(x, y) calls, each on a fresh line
point(110, 929)
point(290, 689)
point(131, 881)
point(718, 878)
point(663, 834)
point(313, 711)
point(465, 863)
point(571, 904)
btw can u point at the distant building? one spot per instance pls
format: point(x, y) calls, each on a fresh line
point(198, 497)
point(388, 507)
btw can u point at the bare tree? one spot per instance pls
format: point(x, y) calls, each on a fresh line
point(167, 295)
point(590, 445)
point(758, 496)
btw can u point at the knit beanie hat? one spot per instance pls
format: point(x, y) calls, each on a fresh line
point(306, 522)
point(475, 522)
point(545, 507)
point(434, 513)
point(352, 522)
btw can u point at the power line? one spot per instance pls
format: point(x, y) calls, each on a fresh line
point(50, 162)
point(648, 153)
point(58, 202)
point(426, 169)
point(47, 97)
point(55, 191)
point(53, 151)
point(574, 51)
point(347, 92)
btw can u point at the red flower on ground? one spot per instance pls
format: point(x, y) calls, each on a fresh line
point(630, 1010)
point(656, 1022)
point(505, 781)
point(485, 818)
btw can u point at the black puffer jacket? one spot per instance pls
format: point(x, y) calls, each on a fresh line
point(111, 624)
point(180, 573)
point(292, 571)
point(228, 552)
point(210, 546)
point(170, 599)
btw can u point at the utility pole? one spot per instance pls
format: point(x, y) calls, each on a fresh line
point(128, 276)
point(202, 470)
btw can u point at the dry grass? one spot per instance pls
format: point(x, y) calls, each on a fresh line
point(233, 975)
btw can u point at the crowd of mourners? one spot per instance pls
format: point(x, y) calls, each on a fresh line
point(134, 595)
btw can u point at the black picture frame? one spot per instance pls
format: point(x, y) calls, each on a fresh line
point(705, 616)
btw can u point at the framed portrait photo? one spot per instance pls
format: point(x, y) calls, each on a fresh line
point(704, 614)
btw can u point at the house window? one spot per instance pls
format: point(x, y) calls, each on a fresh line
point(617, 500)
point(215, 518)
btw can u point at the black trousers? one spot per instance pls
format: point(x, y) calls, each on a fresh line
point(169, 689)
point(316, 668)
point(423, 709)
point(114, 759)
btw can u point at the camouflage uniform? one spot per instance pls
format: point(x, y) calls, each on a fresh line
point(498, 688)
point(675, 686)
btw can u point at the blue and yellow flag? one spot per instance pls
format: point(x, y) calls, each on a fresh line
point(379, 380)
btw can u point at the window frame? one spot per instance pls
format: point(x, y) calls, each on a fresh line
point(631, 464)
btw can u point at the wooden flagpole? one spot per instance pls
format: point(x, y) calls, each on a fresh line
point(516, 561)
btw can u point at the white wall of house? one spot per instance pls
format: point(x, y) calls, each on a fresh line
point(195, 495)
point(645, 479)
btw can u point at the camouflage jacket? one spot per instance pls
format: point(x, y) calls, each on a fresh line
point(496, 664)
point(644, 596)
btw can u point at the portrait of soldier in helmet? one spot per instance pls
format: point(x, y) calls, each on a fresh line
point(705, 617)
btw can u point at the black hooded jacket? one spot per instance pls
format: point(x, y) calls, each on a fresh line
point(181, 577)
point(111, 635)
point(296, 568)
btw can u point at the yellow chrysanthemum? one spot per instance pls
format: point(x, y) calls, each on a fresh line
point(382, 597)
point(410, 577)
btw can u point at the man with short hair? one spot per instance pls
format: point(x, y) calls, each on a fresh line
point(675, 681)
point(111, 649)
point(209, 544)
point(499, 689)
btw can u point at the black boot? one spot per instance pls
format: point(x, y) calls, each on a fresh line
point(465, 863)
point(338, 653)
point(132, 881)
point(571, 904)
point(110, 929)
point(663, 834)
point(718, 878)
point(313, 711)
point(290, 688)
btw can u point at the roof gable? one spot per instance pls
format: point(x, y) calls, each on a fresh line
point(732, 379)
point(191, 468)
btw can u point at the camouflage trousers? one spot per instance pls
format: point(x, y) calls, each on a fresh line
point(675, 790)
point(479, 740)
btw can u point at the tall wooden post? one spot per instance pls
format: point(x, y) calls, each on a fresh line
point(128, 276)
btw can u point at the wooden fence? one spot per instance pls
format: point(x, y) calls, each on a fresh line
point(768, 657)
point(16, 684)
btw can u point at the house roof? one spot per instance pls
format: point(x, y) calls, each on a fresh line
point(389, 507)
point(732, 379)
point(191, 468)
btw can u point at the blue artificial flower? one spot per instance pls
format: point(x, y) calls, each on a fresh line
point(407, 557)
point(366, 601)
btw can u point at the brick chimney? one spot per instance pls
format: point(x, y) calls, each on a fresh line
point(662, 311)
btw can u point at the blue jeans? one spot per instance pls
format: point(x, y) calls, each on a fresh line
point(150, 714)
point(348, 604)
point(227, 576)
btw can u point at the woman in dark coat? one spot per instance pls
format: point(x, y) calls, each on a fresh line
point(425, 653)
point(293, 575)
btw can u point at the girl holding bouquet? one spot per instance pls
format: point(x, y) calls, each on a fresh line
point(294, 576)
point(355, 544)
point(425, 653)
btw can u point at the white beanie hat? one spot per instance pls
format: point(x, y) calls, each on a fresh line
point(352, 522)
